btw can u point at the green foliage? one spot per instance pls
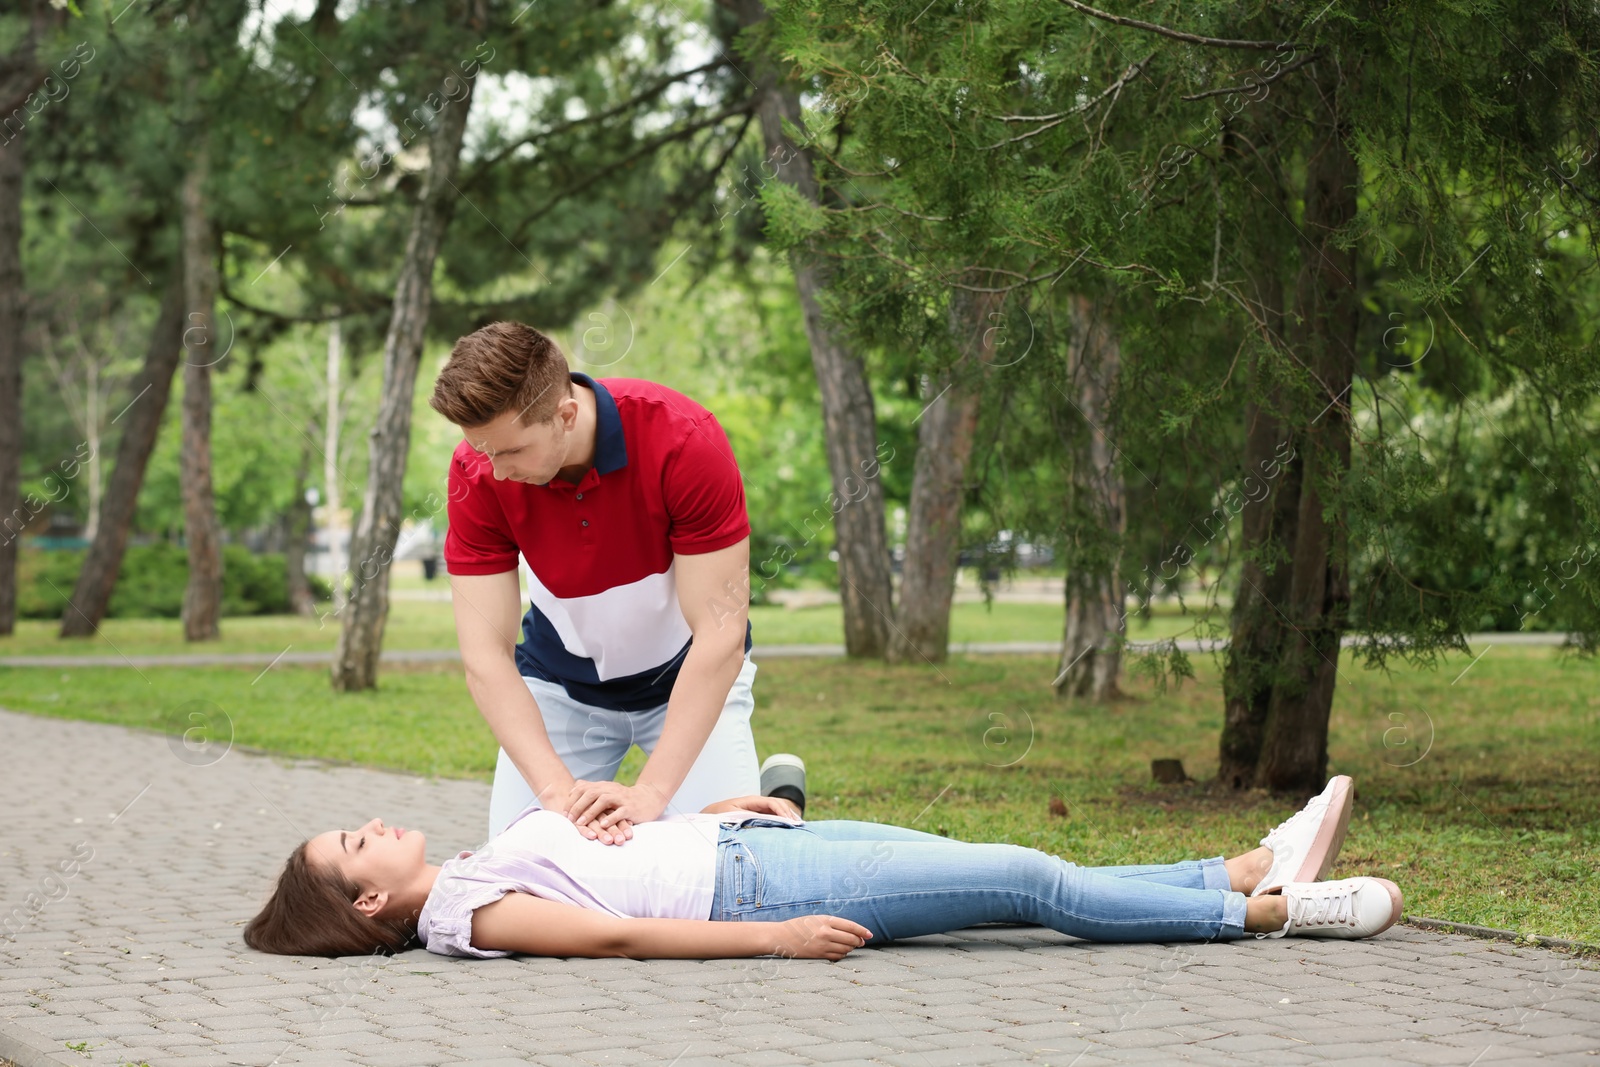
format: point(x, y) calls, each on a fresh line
point(1461, 528)
point(151, 582)
point(1081, 156)
point(1471, 501)
point(791, 218)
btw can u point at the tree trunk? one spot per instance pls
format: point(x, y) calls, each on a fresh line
point(944, 446)
point(20, 74)
point(1268, 531)
point(202, 597)
point(143, 414)
point(296, 525)
point(1096, 624)
point(12, 167)
point(93, 434)
point(848, 416)
point(1294, 750)
point(355, 662)
point(333, 527)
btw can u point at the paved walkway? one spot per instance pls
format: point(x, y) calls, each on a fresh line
point(133, 955)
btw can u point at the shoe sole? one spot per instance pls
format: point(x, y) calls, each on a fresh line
point(1330, 835)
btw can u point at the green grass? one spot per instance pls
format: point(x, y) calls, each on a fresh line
point(425, 624)
point(1497, 822)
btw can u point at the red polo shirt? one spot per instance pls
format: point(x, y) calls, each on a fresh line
point(604, 620)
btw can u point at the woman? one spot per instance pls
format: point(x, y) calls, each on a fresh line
point(747, 877)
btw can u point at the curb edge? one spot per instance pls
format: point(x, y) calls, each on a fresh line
point(1444, 926)
point(26, 1048)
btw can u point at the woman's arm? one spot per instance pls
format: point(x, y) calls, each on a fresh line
point(756, 806)
point(521, 922)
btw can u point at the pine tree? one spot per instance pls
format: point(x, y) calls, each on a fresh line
point(1250, 191)
point(24, 72)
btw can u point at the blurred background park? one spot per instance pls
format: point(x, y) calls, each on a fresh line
point(1204, 382)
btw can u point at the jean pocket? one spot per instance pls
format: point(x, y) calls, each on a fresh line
point(746, 879)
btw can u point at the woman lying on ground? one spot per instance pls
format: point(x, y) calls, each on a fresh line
point(746, 877)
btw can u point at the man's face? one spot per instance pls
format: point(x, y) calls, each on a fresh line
point(532, 453)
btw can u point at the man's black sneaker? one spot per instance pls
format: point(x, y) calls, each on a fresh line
point(784, 775)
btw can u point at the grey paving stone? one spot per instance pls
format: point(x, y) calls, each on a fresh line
point(1248, 1043)
point(1427, 1052)
point(965, 1056)
point(768, 1058)
point(1546, 1046)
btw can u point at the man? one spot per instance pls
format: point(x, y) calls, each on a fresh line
point(624, 498)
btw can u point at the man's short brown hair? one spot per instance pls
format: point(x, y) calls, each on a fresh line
point(502, 367)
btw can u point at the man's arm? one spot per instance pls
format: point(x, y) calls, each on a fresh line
point(521, 922)
point(714, 594)
point(488, 609)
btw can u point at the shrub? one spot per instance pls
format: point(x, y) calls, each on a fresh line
point(151, 581)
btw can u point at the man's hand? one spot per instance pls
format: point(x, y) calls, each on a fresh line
point(609, 832)
point(555, 794)
point(606, 811)
point(783, 809)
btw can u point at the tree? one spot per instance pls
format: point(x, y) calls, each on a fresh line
point(202, 601)
point(296, 531)
point(1286, 170)
point(149, 180)
point(1096, 621)
point(848, 415)
point(1440, 163)
point(945, 438)
point(22, 73)
point(91, 595)
point(355, 661)
point(203, 343)
point(504, 237)
point(86, 376)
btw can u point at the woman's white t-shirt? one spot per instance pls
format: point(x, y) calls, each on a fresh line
point(667, 871)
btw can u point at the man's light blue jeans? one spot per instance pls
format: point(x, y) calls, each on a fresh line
point(902, 883)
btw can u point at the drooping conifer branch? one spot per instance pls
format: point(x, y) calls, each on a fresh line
point(1178, 35)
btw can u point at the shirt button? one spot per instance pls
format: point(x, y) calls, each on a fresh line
point(580, 496)
point(586, 522)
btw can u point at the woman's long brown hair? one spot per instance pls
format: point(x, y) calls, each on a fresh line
point(312, 913)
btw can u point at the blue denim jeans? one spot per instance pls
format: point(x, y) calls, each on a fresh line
point(903, 883)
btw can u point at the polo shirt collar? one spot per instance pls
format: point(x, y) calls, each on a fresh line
point(610, 448)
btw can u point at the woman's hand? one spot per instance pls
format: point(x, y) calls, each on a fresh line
point(820, 937)
point(784, 809)
point(612, 831)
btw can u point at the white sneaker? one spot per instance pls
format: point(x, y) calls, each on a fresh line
point(1349, 908)
point(1305, 844)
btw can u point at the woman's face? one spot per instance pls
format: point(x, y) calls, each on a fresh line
point(374, 856)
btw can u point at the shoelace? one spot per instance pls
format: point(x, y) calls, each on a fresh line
point(1334, 909)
